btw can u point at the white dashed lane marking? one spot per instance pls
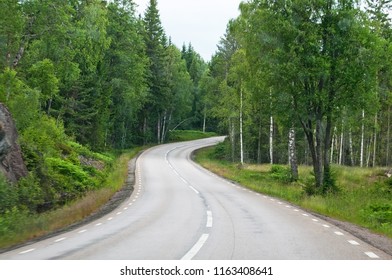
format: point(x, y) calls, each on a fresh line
point(372, 255)
point(209, 219)
point(26, 251)
point(353, 242)
point(196, 248)
point(60, 239)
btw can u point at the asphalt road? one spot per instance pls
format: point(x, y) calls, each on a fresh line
point(180, 211)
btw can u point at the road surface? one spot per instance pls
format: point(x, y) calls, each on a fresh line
point(178, 210)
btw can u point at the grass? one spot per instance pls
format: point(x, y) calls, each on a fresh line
point(17, 226)
point(364, 197)
point(188, 135)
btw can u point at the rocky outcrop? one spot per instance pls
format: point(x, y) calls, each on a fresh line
point(11, 161)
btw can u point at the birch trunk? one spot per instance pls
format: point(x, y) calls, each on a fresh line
point(204, 119)
point(388, 135)
point(241, 129)
point(341, 146)
point(333, 144)
point(271, 140)
point(362, 139)
point(375, 141)
point(293, 155)
point(351, 148)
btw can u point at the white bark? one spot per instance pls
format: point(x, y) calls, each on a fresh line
point(292, 154)
point(204, 119)
point(341, 146)
point(362, 139)
point(271, 136)
point(241, 129)
point(388, 135)
point(332, 145)
point(271, 140)
point(375, 141)
point(351, 148)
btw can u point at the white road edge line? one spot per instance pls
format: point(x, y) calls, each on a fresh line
point(196, 248)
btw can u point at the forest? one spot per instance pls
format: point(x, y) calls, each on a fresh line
point(305, 82)
point(85, 80)
point(300, 82)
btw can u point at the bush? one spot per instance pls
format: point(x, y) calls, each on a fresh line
point(281, 173)
point(378, 214)
point(12, 221)
point(221, 151)
point(30, 194)
point(70, 180)
point(8, 195)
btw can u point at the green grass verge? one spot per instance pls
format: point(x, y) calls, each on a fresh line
point(18, 226)
point(364, 197)
point(188, 135)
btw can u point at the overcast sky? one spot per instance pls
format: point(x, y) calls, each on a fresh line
point(201, 22)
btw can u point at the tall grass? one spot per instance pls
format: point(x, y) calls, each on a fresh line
point(364, 197)
point(18, 225)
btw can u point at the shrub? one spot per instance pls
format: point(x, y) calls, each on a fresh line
point(378, 214)
point(8, 195)
point(281, 173)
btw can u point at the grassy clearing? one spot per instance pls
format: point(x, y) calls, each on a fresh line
point(188, 135)
point(18, 226)
point(364, 197)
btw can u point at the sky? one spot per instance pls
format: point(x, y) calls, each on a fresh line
point(199, 22)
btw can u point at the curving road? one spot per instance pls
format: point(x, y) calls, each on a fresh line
point(181, 211)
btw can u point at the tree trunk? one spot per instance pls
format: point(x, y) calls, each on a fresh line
point(341, 144)
point(332, 145)
point(271, 140)
point(327, 180)
point(362, 139)
point(293, 154)
point(352, 161)
point(388, 135)
point(375, 141)
point(319, 163)
point(241, 129)
point(204, 119)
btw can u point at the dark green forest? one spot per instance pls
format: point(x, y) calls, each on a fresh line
point(292, 82)
point(83, 79)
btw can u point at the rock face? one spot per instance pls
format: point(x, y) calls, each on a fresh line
point(11, 161)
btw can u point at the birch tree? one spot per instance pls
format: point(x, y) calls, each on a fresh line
point(304, 47)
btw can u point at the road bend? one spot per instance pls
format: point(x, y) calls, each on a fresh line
point(180, 211)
